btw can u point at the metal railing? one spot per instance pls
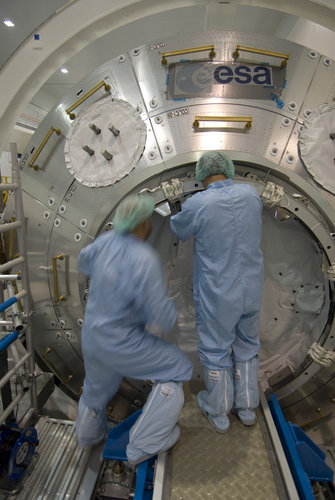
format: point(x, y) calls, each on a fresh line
point(18, 303)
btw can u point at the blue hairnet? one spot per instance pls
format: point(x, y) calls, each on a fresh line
point(214, 163)
point(131, 212)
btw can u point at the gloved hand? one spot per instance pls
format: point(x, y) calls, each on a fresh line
point(175, 206)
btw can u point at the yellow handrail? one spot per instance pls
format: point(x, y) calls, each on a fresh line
point(54, 369)
point(270, 53)
point(189, 51)
point(246, 119)
point(41, 146)
point(55, 276)
point(86, 96)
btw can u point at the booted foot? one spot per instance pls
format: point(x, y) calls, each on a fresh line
point(247, 417)
point(221, 424)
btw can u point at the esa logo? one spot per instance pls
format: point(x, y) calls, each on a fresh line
point(244, 75)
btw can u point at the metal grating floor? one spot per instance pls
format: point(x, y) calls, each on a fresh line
point(57, 466)
point(210, 465)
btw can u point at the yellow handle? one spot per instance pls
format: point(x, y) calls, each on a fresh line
point(86, 96)
point(280, 55)
point(53, 368)
point(31, 164)
point(245, 119)
point(189, 51)
point(55, 275)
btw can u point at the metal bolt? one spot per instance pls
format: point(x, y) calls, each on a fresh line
point(88, 150)
point(114, 130)
point(153, 103)
point(107, 155)
point(95, 129)
point(118, 467)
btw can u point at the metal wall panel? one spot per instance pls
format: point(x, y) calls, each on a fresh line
point(63, 215)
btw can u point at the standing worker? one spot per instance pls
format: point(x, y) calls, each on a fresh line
point(225, 220)
point(127, 292)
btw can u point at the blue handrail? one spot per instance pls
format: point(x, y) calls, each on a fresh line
point(9, 339)
point(7, 304)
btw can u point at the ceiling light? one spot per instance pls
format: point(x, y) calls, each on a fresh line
point(24, 129)
point(9, 23)
point(64, 70)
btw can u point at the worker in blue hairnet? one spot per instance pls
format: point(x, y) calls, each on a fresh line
point(127, 292)
point(225, 220)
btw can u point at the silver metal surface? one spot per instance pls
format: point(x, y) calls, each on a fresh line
point(13, 370)
point(207, 464)
point(63, 215)
point(58, 465)
point(160, 476)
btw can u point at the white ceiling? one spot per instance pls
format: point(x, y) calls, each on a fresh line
point(27, 15)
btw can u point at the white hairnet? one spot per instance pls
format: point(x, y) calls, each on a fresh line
point(214, 163)
point(132, 211)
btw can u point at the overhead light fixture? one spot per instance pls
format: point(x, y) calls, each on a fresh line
point(24, 129)
point(64, 70)
point(9, 23)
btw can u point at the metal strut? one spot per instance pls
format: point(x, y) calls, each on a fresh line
point(16, 301)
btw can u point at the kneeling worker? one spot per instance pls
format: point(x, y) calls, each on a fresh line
point(127, 292)
point(226, 222)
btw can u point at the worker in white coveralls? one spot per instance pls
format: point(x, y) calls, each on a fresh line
point(127, 292)
point(225, 220)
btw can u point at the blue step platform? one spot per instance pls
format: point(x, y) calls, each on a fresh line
point(115, 449)
point(306, 460)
